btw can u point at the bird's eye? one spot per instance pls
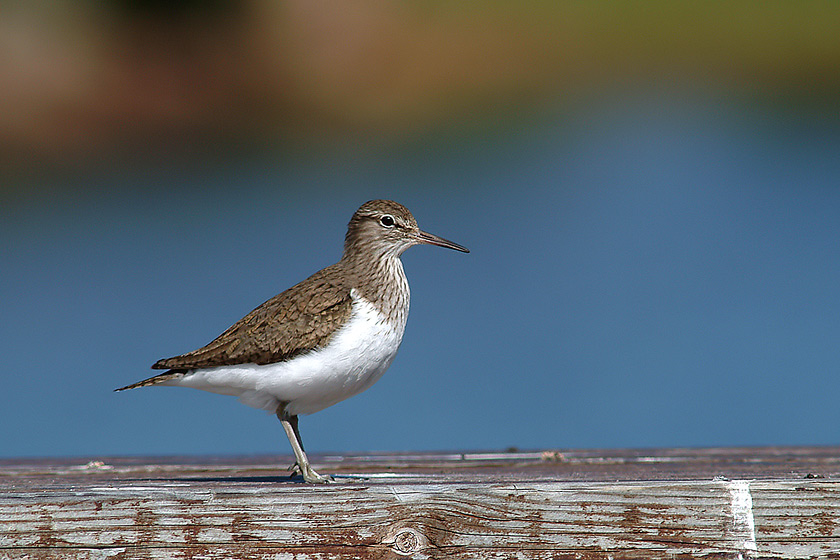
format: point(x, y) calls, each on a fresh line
point(387, 220)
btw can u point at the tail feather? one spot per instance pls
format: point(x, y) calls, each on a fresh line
point(155, 380)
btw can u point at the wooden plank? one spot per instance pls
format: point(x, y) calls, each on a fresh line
point(617, 504)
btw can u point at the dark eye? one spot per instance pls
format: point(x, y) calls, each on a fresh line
point(387, 220)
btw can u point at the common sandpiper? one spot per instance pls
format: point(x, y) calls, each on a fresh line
point(321, 341)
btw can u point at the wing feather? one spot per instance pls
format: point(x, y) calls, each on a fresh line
point(300, 319)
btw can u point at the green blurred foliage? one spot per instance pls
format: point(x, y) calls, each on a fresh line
point(91, 82)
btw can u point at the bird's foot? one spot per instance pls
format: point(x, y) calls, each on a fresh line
point(309, 474)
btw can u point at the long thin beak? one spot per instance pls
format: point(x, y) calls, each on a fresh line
point(432, 239)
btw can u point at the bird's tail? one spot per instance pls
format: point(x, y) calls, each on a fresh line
point(156, 380)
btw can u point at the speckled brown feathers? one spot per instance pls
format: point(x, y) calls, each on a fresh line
point(302, 318)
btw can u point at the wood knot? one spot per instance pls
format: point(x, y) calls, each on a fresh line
point(406, 540)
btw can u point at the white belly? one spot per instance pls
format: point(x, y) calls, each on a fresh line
point(355, 358)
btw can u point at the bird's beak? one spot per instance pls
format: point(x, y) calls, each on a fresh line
point(432, 239)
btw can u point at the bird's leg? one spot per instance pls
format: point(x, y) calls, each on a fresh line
point(293, 420)
point(290, 424)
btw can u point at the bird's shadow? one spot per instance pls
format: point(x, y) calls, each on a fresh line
point(287, 479)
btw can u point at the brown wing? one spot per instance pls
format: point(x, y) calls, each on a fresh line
point(286, 325)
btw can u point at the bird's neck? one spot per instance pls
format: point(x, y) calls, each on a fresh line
point(382, 282)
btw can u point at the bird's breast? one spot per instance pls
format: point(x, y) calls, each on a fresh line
point(353, 360)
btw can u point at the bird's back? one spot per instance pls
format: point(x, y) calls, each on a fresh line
point(298, 320)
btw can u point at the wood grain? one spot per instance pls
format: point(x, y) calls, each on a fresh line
point(546, 505)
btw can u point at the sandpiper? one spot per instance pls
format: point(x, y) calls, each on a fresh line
point(321, 341)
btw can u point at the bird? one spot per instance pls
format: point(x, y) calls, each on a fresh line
point(325, 339)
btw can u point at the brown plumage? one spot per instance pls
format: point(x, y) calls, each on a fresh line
point(302, 318)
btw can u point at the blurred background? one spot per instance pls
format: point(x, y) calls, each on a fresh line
point(651, 194)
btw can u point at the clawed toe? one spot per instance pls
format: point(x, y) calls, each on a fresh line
point(309, 475)
point(315, 478)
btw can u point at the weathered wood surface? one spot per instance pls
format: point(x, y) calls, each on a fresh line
point(679, 503)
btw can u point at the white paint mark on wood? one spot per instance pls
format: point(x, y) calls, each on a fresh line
point(742, 515)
